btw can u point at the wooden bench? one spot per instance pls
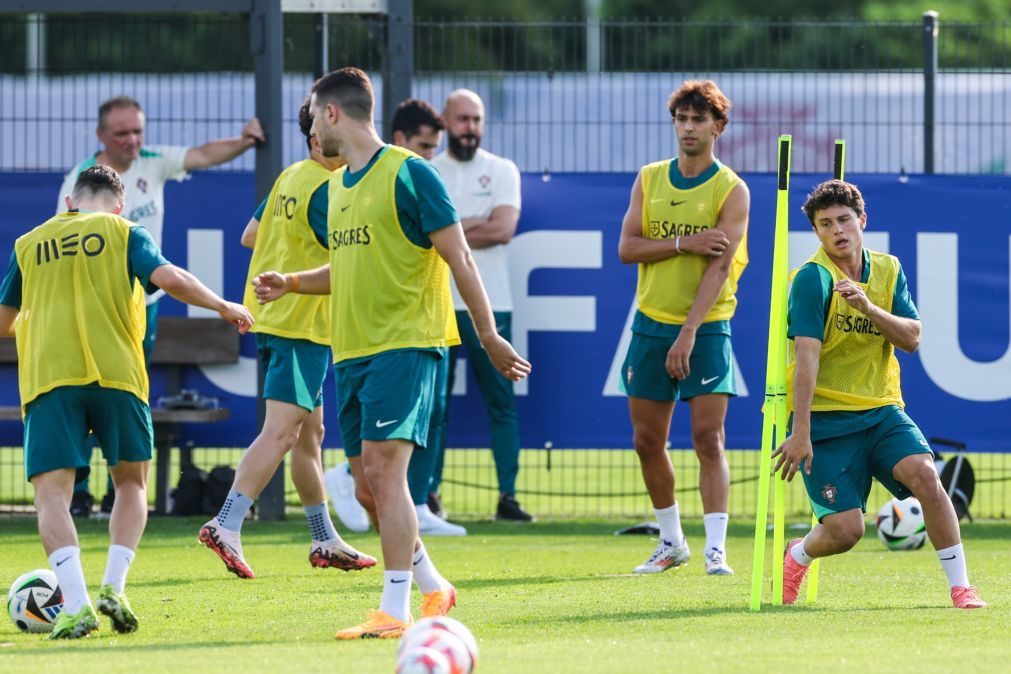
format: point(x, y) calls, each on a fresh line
point(181, 342)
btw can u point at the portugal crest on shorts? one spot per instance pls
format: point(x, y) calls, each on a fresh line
point(829, 493)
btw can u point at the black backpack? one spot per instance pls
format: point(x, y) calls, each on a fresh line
point(216, 487)
point(188, 496)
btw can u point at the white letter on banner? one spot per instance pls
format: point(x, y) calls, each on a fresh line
point(207, 262)
point(940, 351)
point(550, 249)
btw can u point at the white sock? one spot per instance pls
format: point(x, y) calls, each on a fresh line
point(397, 594)
point(800, 554)
point(669, 520)
point(120, 558)
point(426, 576)
point(716, 531)
point(66, 564)
point(953, 561)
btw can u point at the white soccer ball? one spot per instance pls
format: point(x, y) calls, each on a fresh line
point(447, 643)
point(423, 661)
point(423, 630)
point(901, 526)
point(34, 601)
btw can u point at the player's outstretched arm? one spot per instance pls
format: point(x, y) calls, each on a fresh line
point(8, 316)
point(248, 239)
point(903, 333)
point(272, 285)
point(452, 246)
point(797, 450)
point(219, 151)
point(635, 248)
point(187, 288)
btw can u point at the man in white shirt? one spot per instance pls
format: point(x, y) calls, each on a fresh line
point(486, 191)
point(144, 172)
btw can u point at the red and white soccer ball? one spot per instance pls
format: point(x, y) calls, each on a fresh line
point(447, 636)
point(423, 661)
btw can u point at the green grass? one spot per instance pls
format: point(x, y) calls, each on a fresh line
point(552, 598)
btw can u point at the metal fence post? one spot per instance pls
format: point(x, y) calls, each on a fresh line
point(266, 39)
point(322, 63)
point(930, 28)
point(399, 64)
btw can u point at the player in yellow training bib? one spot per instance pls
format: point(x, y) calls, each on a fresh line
point(849, 309)
point(288, 231)
point(686, 227)
point(394, 239)
point(74, 296)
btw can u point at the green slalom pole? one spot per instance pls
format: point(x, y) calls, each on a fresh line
point(776, 316)
point(839, 173)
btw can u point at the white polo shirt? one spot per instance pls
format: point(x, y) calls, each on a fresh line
point(478, 187)
point(145, 188)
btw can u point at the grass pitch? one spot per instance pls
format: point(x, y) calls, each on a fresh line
point(548, 598)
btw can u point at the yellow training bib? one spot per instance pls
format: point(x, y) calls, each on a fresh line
point(666, 289)
point(82, 317)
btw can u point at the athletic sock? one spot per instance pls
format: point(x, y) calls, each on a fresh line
point(800, 555)
point(66, 564)
point(397, 594)
point(116, 568)
point(716, 531)
point(669, 520)
point(426, 576)
point(233, 511)
point(320, 523)
point(953, 562)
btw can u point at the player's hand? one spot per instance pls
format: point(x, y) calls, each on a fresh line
point(793, 453)
point(680, 353)
point(853, 295)
point(505, 359)
point(710, 242)
point(270, 286)
point(254, 131)
point(237, 315)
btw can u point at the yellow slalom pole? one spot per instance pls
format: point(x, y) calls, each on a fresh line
point(773, 365)
point(839, 173)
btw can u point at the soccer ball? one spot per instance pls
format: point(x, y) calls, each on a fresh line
point(446, 643)
point(901, 526)
point(34, 601)
point(447, 635)
point(423, 661)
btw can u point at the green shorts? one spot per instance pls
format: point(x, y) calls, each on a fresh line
point(644, 372)
point(293, 370)
point(387, 397)
point(843, 465)
point(57, 425)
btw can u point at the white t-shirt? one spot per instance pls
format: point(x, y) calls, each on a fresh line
point(145, 188)
point(478, 187)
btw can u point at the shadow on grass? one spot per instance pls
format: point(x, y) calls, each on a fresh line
point(94, 645)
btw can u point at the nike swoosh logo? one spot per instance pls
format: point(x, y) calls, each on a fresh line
point(402, 580)
point(678, 203)
point(66, 558)
point(710, 380)
point(948, 559)
point(384, 424)
point(344, 208)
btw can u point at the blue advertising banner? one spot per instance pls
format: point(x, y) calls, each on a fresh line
point(574, 298)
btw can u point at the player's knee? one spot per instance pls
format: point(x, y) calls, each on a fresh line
point(708, 443)
point(924, 483)
point(847, 534)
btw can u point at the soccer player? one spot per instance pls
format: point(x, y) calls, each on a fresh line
point(686, 228)
point(288, 231)
point(486, 190)
point(394, 239)
point(144, 171)
point(73, 295)
point(417, 127)
point(849, 309)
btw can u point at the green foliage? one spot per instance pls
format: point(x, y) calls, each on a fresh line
point(541, 599)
